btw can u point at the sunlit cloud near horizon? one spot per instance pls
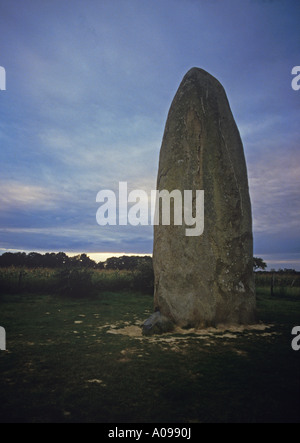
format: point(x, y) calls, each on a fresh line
point(88, 89)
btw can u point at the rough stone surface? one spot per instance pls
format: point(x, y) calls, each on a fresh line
point(206, 280)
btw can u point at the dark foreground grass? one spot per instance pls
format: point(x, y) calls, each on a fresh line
point(64, 364)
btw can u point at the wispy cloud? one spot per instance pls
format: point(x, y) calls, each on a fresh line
point(19, 196)
point(274, 186)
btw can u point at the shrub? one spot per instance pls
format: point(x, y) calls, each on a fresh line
point(144, 278)
point(112, 280)
point(76, 283)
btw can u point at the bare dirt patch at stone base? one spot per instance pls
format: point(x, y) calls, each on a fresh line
point(131, 331)
point(229, 332)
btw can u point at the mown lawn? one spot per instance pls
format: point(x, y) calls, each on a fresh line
point(68, 361)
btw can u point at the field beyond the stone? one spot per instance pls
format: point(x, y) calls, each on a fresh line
point(85, 360)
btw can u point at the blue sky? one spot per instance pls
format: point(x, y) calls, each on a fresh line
point(89, 85)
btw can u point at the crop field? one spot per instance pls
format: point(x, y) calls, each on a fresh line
point(77, 283)
point(71, 360)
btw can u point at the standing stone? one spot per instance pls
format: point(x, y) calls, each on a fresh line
point(205, 280)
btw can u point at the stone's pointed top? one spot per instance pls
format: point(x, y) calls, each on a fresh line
point(196, 72)
point(200, 76)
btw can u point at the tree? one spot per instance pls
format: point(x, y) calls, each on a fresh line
point(128, 263)
point(113, 263)
point(34, 260)
point(82, 261)
point(258, 263)
point(7, 259)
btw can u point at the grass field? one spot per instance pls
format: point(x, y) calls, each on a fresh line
point(86, 361)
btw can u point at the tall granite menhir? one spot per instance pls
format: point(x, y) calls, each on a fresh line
point(205, 280)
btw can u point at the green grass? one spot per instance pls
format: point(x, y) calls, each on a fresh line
point(56, 370)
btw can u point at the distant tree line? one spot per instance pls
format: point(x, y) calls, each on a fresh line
point(260, 266)
point(279, 271)
point(48, 260)
point(60, 260)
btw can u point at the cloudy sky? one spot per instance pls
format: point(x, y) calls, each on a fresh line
point(88, 88)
